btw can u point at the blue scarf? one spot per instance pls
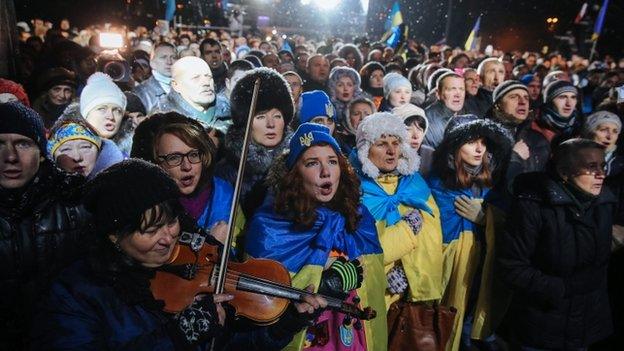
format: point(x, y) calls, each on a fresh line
point(411, 191)
point(218, 208)
point(452, 223)
point(273, 236)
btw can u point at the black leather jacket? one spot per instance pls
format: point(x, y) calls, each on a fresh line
point(41, 230)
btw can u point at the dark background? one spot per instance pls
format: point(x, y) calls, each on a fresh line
point(506, 24)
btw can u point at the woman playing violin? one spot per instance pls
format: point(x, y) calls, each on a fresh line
point(105, 302)
point(313, 224)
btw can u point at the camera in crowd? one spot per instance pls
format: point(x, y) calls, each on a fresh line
point(113, 64)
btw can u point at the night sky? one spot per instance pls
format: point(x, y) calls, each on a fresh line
point(507, 24)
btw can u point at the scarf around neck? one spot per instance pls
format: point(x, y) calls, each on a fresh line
point(556, 122)
point(165, 82)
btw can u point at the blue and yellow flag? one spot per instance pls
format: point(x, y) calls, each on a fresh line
point(600, 20)
point(471, 42)
point(395, 18)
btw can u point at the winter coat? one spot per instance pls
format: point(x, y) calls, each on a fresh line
point(217, 116)
point(259, 159)
point(151, 93)
point(41, 232)
point(438, 115)
point(615, 163)
point(109, 155)
point(554, 256)
point(48, 111)
point(104, 303)
point(479, 104)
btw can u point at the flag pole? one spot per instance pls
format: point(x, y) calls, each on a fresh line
point(593, 50)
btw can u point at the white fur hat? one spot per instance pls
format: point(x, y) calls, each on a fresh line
point(374, 127)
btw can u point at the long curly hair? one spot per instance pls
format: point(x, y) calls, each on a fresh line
point(292, 201)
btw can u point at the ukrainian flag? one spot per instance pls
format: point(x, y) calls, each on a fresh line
point(600, 20)
point(395, 18)
point(471, 42)
point(396, 31)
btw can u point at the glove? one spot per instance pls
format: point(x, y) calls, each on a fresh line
point(198, 322)
point(397, 280)
point(471, 209)
point(414, 220)
point(341, 277)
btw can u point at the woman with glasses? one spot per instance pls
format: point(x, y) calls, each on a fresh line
point(555, 251)
point(181, 147)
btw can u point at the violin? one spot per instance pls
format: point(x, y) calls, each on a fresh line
point(261, 287)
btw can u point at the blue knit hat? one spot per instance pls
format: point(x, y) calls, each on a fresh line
point(72, 131)
point(315, 103)
point(306, 136)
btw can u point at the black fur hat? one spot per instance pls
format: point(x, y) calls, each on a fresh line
point(462, 129)
point(274, 92)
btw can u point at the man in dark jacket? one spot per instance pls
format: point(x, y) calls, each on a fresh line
point(153, 89)
point(40, 221)
point(555, 251)
point(492, 73)
point(451, 93)
point(318, 73)
point(211, 52)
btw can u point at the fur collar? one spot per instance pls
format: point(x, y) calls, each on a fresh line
point(259, 158)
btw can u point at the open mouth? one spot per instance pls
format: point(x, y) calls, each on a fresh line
point(79, 169)
point(187, 180)
point(109, 126)
point(326, 188)
point(521, 111)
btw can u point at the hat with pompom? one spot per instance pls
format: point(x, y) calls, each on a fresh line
point(100, 89)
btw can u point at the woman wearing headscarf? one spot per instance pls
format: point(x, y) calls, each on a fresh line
point(372, 75)
point(467, 164)
point(406, 215)
point(344, 87)
point(269, 133)
point(604, 128)
point(76, 147)
point(314, 224)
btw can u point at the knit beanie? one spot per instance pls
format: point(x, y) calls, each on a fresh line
point(10, 87)
point(432, 83)
point(56, 76)
point(306, 136)
point(134, 103)
point(408, 111)
point(372, 128)
point(100, 89)
point(15, 118)
point(71, 131)
point(556, 88)
point(119, 195)
point(342, 71)
point(597, 118)
point(315, 103)
point(505, 87)
point(527, 79)
point(393, 81)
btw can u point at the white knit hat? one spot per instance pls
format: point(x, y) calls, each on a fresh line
point(100, 89)
point(393, 81)
point(410, 110)
point(371, 129)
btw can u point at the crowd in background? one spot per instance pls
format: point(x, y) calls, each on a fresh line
point(489, 182)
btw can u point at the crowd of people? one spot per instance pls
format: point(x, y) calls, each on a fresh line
point(425, 178)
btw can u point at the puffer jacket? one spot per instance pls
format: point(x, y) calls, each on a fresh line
point(41, 232)
point(554, 256)
point(438, 115)
point(217, 116)
point(150, 92)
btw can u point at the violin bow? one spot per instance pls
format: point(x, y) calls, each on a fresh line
point(225, 256)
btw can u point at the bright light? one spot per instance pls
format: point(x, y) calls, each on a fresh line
point(111, 40)
point(322, 4)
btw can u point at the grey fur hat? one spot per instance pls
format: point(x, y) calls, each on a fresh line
point(371, 129)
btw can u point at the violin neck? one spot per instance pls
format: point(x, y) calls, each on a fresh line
point(260, 286)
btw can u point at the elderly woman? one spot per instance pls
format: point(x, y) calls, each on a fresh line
point(105, 301)
point(555, 251)
point(314, 224)
point(182, 147)
point(344, 86)
point(269, 132)
point(407, 217)
point(604, 128)
point(466, 165)
point(76, 147)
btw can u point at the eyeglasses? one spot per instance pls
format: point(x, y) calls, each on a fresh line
point(175, 159)
point(593, 171)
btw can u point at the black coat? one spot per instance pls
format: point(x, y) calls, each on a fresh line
point(41, 231)
point(555, 257)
